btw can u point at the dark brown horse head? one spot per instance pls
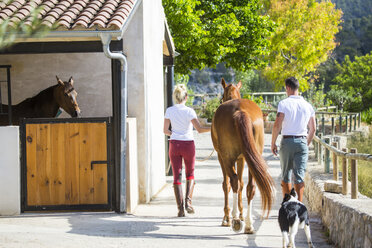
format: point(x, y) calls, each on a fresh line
point(230, 91)
point(66, 95)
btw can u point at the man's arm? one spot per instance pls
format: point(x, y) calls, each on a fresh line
point(312, 129)
point(275, 132)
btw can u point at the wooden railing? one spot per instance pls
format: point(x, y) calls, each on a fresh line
point(267, 95)
point(323, 149)
point(352, 121)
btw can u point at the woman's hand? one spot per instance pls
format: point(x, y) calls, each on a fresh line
point(198, 127)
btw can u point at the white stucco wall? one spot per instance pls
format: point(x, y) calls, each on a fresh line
point(132, 166)
point(31, 73)
point(10, 182)
point(153, 40)
point(146, 93)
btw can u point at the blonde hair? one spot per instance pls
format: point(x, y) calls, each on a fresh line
point(179, 93)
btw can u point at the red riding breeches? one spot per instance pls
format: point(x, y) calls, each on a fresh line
point(178, 150)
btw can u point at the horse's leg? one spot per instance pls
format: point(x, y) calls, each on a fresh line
point(234, 181)
point(240, 165)
point(226, 189)
point(251, 190)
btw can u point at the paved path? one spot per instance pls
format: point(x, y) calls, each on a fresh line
point(155, 224)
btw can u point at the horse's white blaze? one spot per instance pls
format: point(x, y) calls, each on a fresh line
point(235, 205)
point(249, 219)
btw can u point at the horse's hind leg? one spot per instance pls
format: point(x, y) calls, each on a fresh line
point(236, 223)
point(240, 165)
point(251, 190)
point(226, 189)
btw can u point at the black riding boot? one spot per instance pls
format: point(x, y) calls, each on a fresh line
point(189, 190)
point(179, 199)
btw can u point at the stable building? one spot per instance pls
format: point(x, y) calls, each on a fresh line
point(120, 55)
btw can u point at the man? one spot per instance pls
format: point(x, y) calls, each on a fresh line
point(294, 116)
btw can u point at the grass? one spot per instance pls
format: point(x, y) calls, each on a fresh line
point(363, 144)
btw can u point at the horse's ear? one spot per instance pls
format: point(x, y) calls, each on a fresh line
point(223, 83)
point(60, 81)
point(71, 81)
point(239, 85)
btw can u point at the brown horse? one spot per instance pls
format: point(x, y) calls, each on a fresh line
point(46, 104)
point(238, 135)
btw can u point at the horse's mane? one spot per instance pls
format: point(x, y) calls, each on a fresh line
point(44, 94)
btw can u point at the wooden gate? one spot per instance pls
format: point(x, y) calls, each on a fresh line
point(66, 164)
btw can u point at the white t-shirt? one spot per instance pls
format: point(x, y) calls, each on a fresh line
point(180, 117)
point(297, 113)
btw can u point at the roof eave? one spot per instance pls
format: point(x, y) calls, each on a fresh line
point(83, 35)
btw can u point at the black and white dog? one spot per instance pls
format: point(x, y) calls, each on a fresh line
point(292, 215)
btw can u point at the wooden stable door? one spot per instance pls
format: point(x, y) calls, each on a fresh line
point(66, 164)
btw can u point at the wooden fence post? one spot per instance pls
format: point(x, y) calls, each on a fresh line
point(359, 119)
point(335, 163)
point(333, 125)
point(323, 126)
point(345, 174)
point(340, 123)
point(315, 148)
point(355, 117)
point(351, 122)
point(346, 123)
point(320, 150)
point(327, 158)
point(354, 176)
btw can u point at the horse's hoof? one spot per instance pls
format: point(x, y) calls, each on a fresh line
point(237, 225)
point(249, 230)
point(241, 217)
point(226, 223)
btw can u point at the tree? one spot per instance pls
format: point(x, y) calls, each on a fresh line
point(356, 79)
point(209, 32)
point(14, 28)
point(304, 38)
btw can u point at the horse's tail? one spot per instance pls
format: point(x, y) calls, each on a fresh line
point(257, 165)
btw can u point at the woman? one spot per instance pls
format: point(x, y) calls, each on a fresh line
point(181, 145)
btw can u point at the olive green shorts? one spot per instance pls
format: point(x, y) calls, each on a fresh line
point(293, 159)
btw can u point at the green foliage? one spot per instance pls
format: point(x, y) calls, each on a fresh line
point(208, 32)
point(315, 96)
point(344, 100)
point(355, 38)
point(10, 31)
point(355, 78)
point(252, 81)
point(184, 79)
point(363, 144)
point(303, 39)
point(367, 116)
point(210, 108)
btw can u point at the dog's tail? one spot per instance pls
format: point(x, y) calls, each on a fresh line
point(256, 164)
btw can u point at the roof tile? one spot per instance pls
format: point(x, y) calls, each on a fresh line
point(70, 14)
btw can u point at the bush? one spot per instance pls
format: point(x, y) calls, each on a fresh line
point(367, 116)
point(363, 143)
point(210, 108)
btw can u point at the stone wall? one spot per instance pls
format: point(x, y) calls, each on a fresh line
point(348, 221)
